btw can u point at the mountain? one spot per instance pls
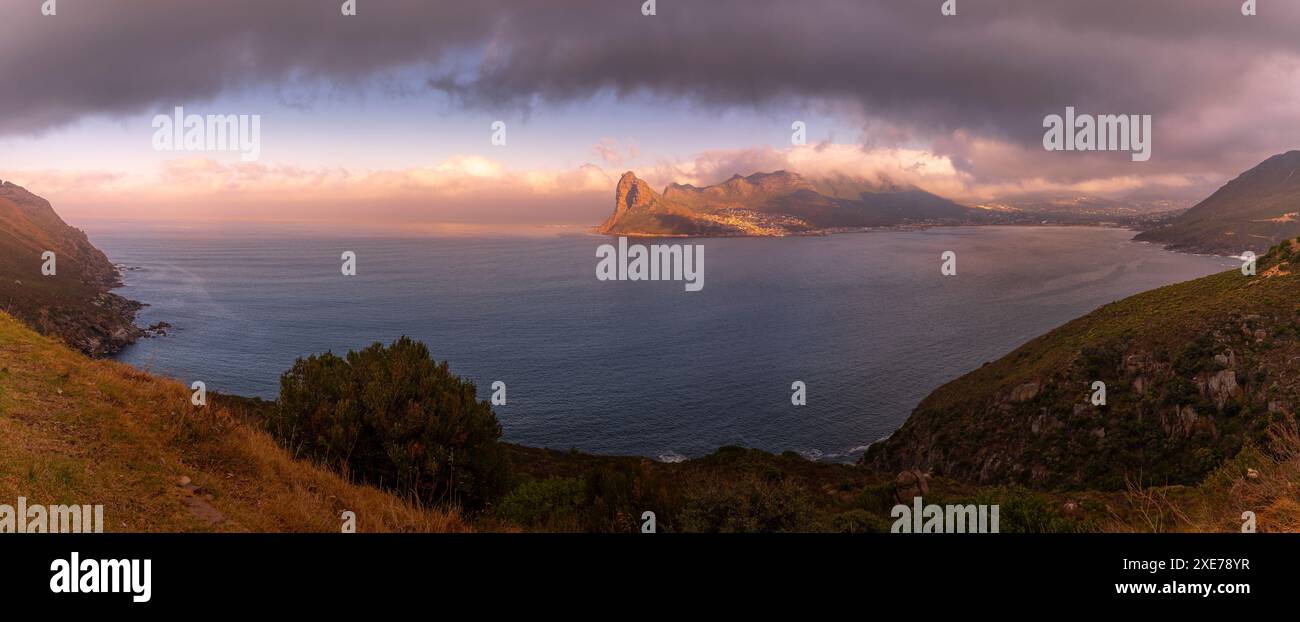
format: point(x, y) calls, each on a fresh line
point(75, 303)
point(639, 209)
point(1193, 373)
point(772, 204)
point(1252, 212)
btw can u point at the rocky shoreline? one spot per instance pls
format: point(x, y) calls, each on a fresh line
point(102, 340)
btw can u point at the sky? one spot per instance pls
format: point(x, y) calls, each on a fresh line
point(386, 117)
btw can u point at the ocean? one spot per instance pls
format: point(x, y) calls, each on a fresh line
point(865, 320)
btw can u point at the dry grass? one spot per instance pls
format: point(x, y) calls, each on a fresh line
point(76, 430)
point(1265, 481)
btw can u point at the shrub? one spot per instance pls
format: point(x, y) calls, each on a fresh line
point(859, 521)
point(552, 504)
point(393, 417)
point(1023, 511)
point(1101, 361)
point(877, 498)
point(748, 505)
point(615, 497)
point(1194, 357)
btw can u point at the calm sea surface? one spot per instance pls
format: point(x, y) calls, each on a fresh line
point(865, 320)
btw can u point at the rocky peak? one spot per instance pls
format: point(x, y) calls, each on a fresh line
point(632, 192)
point(634, 196)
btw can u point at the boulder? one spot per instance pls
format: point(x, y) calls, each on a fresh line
point(909, 485)
point(1024, 392)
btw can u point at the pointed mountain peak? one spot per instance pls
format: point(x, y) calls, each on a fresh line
point(633, 192)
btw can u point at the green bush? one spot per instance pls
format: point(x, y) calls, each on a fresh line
point(877, 498)
point(552, 504)
point(1023, 511)
point(1195, 357)
point(393, 417)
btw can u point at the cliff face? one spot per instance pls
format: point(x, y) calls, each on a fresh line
point(639, 210)
point(1252, 212)
point(1193, 372)
point(779, 203)
point(75, 304)
point(634, 198)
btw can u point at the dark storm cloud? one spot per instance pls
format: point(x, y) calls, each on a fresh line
point(125, 56)
point(994, 69)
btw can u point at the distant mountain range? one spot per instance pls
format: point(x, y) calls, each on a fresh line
point(774, 204)
point(74, 304)
point(1250, 213)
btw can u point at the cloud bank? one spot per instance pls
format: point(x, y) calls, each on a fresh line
point(971, 90)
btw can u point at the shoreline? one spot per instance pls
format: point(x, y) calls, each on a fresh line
point(593, 231)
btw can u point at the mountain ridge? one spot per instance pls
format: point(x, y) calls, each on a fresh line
point(773, 204)
point(1251, 212)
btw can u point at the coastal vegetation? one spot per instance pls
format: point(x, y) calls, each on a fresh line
point(393, 417)
point(74, 429)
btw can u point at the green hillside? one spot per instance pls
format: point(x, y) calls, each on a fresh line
point(1250, 213)
point(1193, 373)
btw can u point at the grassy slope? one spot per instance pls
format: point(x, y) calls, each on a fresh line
point(1026, 418)
point(1248, 213)
point(76, 430)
